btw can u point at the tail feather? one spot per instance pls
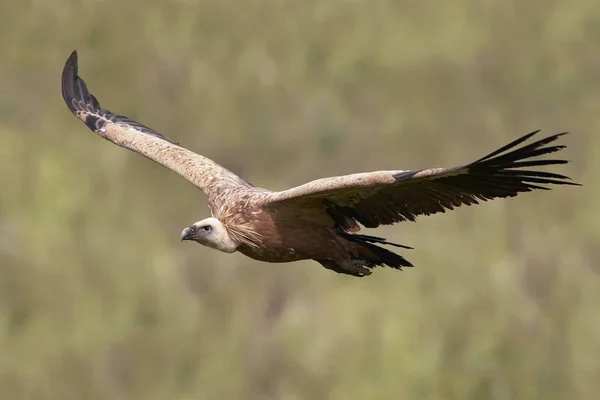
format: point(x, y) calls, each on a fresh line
point(380, 240)
point(376, 255)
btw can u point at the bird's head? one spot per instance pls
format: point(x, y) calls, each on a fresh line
point(212, 233)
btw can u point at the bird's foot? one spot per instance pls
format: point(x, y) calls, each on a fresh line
point(354, 267)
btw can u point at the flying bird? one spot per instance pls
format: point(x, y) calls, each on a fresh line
point(320, 219)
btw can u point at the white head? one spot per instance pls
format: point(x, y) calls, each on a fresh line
point(212, 233)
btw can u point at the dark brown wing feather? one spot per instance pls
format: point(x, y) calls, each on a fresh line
point(386, 197)
point(214, 180)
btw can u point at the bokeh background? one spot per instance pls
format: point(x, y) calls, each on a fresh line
point(100, 300)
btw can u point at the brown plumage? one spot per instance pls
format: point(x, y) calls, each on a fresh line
point(317, 220)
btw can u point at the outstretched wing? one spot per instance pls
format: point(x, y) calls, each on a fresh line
point(213, 179)
point(386, 197)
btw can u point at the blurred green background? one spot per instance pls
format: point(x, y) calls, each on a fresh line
point(100, 300)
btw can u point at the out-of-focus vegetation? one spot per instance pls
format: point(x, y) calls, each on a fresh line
point(100, 300)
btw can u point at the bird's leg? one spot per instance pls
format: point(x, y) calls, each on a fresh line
point(348, 267)
point(354, 267)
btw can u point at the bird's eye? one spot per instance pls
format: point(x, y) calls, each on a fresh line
point(207, 228)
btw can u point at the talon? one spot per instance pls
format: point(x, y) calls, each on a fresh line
point(355, 267)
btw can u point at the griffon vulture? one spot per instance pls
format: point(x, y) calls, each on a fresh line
point(318, 220)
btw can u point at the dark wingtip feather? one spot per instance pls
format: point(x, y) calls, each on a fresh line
point(74, 90)
point(528, 148)
point(509, 146)
point(73, 87)
point(69, 76)
point(94, 101)
point(508, 164)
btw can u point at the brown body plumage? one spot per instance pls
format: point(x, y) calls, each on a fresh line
point(318, 220)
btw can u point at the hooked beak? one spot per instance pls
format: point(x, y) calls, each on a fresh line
point(187, 234)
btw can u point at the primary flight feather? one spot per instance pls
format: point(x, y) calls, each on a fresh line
point(318, 220)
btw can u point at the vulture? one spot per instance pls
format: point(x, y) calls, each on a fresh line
point(319, 220)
